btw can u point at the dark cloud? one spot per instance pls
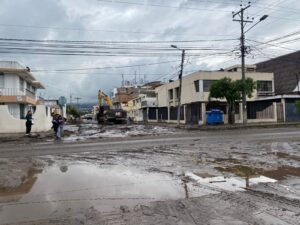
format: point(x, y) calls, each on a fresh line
point(98, 20)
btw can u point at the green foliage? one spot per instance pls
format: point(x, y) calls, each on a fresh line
point(297, 103)
point(72, 111)
point(232, 92)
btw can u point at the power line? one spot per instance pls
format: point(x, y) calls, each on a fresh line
point(107, 67)
point(269, 44)
point(163, 6)
point(113, 42)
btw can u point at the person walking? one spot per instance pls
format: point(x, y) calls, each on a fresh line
point(60, 128)
point(55, 123)
point(28, 122)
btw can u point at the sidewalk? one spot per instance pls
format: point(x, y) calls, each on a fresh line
point(228, 126)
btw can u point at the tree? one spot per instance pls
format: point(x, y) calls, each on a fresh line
point(232, 92)
point(297, 104)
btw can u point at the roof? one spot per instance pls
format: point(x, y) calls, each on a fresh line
point(239, 67)
point(279, 97)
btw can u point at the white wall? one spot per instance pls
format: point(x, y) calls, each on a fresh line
point(14, 110)
point(9, 124)
point(11, 81)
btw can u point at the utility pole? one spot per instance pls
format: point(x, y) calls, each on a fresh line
point(77, 100)
point(243, 22)
point(70, 98)
point(180, 83)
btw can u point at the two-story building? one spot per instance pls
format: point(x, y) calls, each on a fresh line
point(18, 88)
point(18, 94)
point(143, 107)
point(195, 100)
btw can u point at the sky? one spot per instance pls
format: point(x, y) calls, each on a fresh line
point(111, 40)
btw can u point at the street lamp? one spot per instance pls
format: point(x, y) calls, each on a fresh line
point(261, 19)
point(180, 83)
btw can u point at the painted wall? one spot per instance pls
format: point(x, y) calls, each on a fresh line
point(189, 94)
point(14, 110)
point(9, 124)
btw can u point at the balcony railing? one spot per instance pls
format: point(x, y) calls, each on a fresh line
point(16, 92)
point(148, 103)
point(264, 93)
point(30, 94)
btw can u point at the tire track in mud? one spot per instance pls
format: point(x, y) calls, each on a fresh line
point(248, 207)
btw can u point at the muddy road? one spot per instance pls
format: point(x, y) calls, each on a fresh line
point(152, 175)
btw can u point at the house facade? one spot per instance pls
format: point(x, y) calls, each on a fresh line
point(195, 100)
point(18, 94)
point(18, 88)
point(143, 108)
point(286, 71)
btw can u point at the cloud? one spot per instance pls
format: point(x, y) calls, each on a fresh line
point(90, 20)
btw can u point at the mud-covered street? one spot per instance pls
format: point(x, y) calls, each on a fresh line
point(144, 174)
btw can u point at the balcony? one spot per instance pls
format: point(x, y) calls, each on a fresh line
point(14, 95)
point(149, 102)
point(265, 93)
point(30, 93)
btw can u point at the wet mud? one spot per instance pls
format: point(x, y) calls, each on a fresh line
point(199, 181)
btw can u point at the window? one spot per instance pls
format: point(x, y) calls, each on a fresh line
point(1, 80)
point(207, 84)
point(21, 84)
point(264, 86)
point(171, 94)
point(196, 83)
point(177, 92)
point(28, 86)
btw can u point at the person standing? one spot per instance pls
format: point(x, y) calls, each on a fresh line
point(28, 122)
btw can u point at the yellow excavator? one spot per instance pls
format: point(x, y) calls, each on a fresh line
point(106, 114)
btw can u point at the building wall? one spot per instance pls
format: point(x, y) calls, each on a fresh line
point(189, 94)
point(286, 72)
point(11, 81)
point(14, 110)
point(10, 124)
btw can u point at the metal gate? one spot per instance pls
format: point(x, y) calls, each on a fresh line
point(280, 115)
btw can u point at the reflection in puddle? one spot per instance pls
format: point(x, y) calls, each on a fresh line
point(62, 189)
point(68, 189)
point(24, 188)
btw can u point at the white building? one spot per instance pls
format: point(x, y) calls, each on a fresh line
point(141, 107)
point(18, 94)
point(195, 100)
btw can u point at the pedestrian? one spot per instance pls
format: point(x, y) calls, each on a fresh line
point(55, 123)
point(60, 128)
point(28, 122)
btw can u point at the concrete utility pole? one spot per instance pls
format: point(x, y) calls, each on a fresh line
point(243, 22)
point(180, 83)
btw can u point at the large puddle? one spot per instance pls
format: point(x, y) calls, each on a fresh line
point(63, 189)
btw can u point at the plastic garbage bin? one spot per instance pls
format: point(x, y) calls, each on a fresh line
point(215, 116)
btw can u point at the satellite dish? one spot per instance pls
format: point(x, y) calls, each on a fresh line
point(62, 101)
